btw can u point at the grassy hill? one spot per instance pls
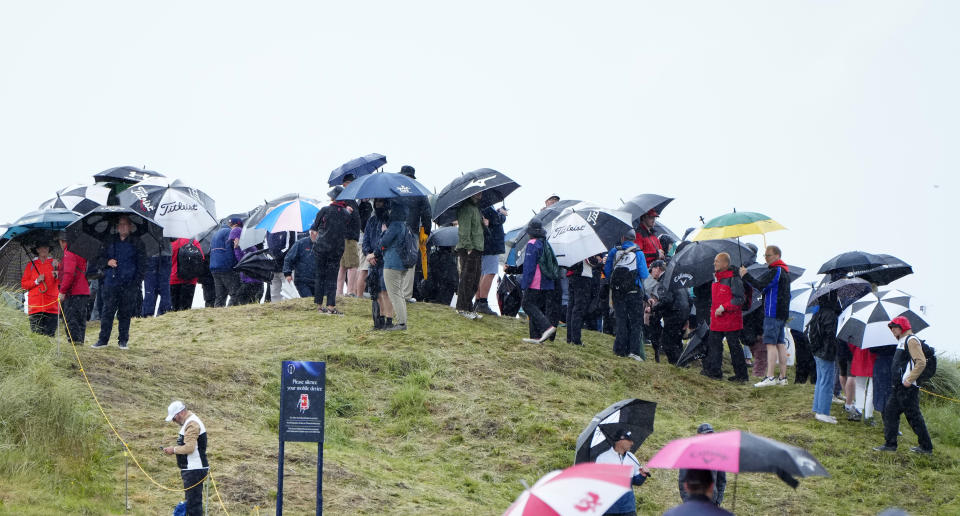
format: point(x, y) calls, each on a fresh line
point(446, 418)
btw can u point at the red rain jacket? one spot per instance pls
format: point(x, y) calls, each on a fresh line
point(40, 302)
point(727, 291)
point(72, 271)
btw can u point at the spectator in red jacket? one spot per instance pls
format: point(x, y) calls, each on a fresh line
point(646, 240)
point(74, 292)
point(40, 282)
point(726, 322)
point(182, 289)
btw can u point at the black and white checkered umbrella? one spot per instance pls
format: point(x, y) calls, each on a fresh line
point(79, 198)
point(864, 322)
point(584, 230)
point(182, 211)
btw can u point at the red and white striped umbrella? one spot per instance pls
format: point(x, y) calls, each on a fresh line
point(587, 488)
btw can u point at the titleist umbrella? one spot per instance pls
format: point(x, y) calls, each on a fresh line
point(494, 186)
point(582, 489)
point(584, 230)
point(182, 211)
point(546, 216)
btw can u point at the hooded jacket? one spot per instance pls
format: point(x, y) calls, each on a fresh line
point(418, 214)
point(775, 284)
point(649, 244)
point(493, 236)
point(727, 291)
point(392, 238)
point(299, 260)
point(131, 262)
point(221, 251)
point(72, 272)
point(469, 226)
point(40, 302)
point(331, 223)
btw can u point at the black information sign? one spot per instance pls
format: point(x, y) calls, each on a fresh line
point(302, 397)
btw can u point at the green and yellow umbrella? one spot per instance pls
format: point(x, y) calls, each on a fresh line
point(737, 224)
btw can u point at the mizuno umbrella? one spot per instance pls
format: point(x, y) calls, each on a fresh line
point(693, 265)
point(643, 203)
point(259, 265)
point(383, 185)
point(582, 489)
point(358, 167)
point(182, 211)
point(586, 229)
point(127, 174)
point(79, 198)
point(494, 186)
point(633, 414)
point(86, 235)
point(864, 322)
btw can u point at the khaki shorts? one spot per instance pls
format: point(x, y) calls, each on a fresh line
point(351, 255)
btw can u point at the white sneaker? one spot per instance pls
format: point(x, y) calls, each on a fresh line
point(838, 401)
point(468, 315)
point(476, 316)
point(547, 334)
point(781, 381)
point(766, 382)
point(826, 419)
point(636, 357)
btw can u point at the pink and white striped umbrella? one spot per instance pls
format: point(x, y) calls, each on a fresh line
point(587, 488)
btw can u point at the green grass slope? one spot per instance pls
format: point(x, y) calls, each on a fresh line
point(446, 418)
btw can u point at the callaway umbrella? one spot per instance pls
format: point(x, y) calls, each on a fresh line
point(79, 198)
point(358, 167)
point(693, 264)
point(182, 211)
point(494, 186)
point(127, 174)
point(259, 265)
point(696, 347)
point(736, 451)
point(864, 322)
point(632, 414)
point(643, 203)
point(444, 237)
point(384, 185)
point(86, 235)
point(586, 229)
point(581, 489)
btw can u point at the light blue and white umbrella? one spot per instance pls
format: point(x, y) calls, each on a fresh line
point(290, 212)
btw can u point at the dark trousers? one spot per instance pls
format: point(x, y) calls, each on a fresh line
point(97, 305)
point(579, 296)
point(325, 282)
point(181, 296)
point(628, 337)
point(653, 333)
point(156, 284)
point(193, 497)
point(671, 338)
point(250, 293)
point(226, 283)
point(713, 364)
point(209, 290)
point(906, 401)
point(44, 323)
point(534, 303)
point(806, 368)
point(304, 288)
point(882, 381)
point(75, 315)
point(119, 301)
point(469, 279)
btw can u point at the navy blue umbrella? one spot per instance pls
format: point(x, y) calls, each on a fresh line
point(387, 185)
point(358, 167)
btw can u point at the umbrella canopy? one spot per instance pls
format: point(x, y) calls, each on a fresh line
point(259, 265)
point(294, 215)
point(86, 235)
point(546, 217)
point(756, 270)
point(14, 258)
point(643, 203)
point(885, 274)
point(660, 230)
point(736, 451)
point(696, 347)
point(847, 290)
point(444, 237)
point(800, 314)
point(864, 322)
point(182, 211)
point(79, 198)
point(584, 230)
point(633, 414)
point(577, 490)
point(877, 268)
point(494, 186)
point(385, 185)
point(737, 224)
point(693, 265)
point(49, 221)
point(358, 167)
point(129, 175)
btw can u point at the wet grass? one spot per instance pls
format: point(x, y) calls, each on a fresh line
point(446, 418)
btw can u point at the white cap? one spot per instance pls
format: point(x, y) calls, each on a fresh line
point(174, 409)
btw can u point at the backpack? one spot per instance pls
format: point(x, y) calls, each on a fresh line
point(409, 249)
point(549, 268)
point(623, 279)
point(190, 262)
point(929, 353)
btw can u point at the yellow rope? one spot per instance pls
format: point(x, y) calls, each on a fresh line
point(937, 395)
point(116, 433)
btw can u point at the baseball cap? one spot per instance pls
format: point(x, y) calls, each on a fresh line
point(705, 428)
point(174, 409)
point(553, 196)
point(623, 434)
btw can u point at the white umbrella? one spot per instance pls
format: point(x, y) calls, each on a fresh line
point(864, 322)
point(182, 211)
point(586, 229)
point(79, 198)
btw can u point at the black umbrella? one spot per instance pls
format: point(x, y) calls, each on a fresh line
point(693, 264)
point(885, 274)
point(494, 185)
point(756, 270)
point(875, 268)
point(545, 216)
point(87, 235)
point(697, 347)
point(643, 203)
point(847, 289)
point(634, 415)
point(14, 257)
point(444, 237)
point(660, 230)
point(128, 175)
point(509, 295)
point(259, 265)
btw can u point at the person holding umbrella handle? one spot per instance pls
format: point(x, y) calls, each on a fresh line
point(620, 454)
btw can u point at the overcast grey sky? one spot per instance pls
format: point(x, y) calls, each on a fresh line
point(838, 119)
